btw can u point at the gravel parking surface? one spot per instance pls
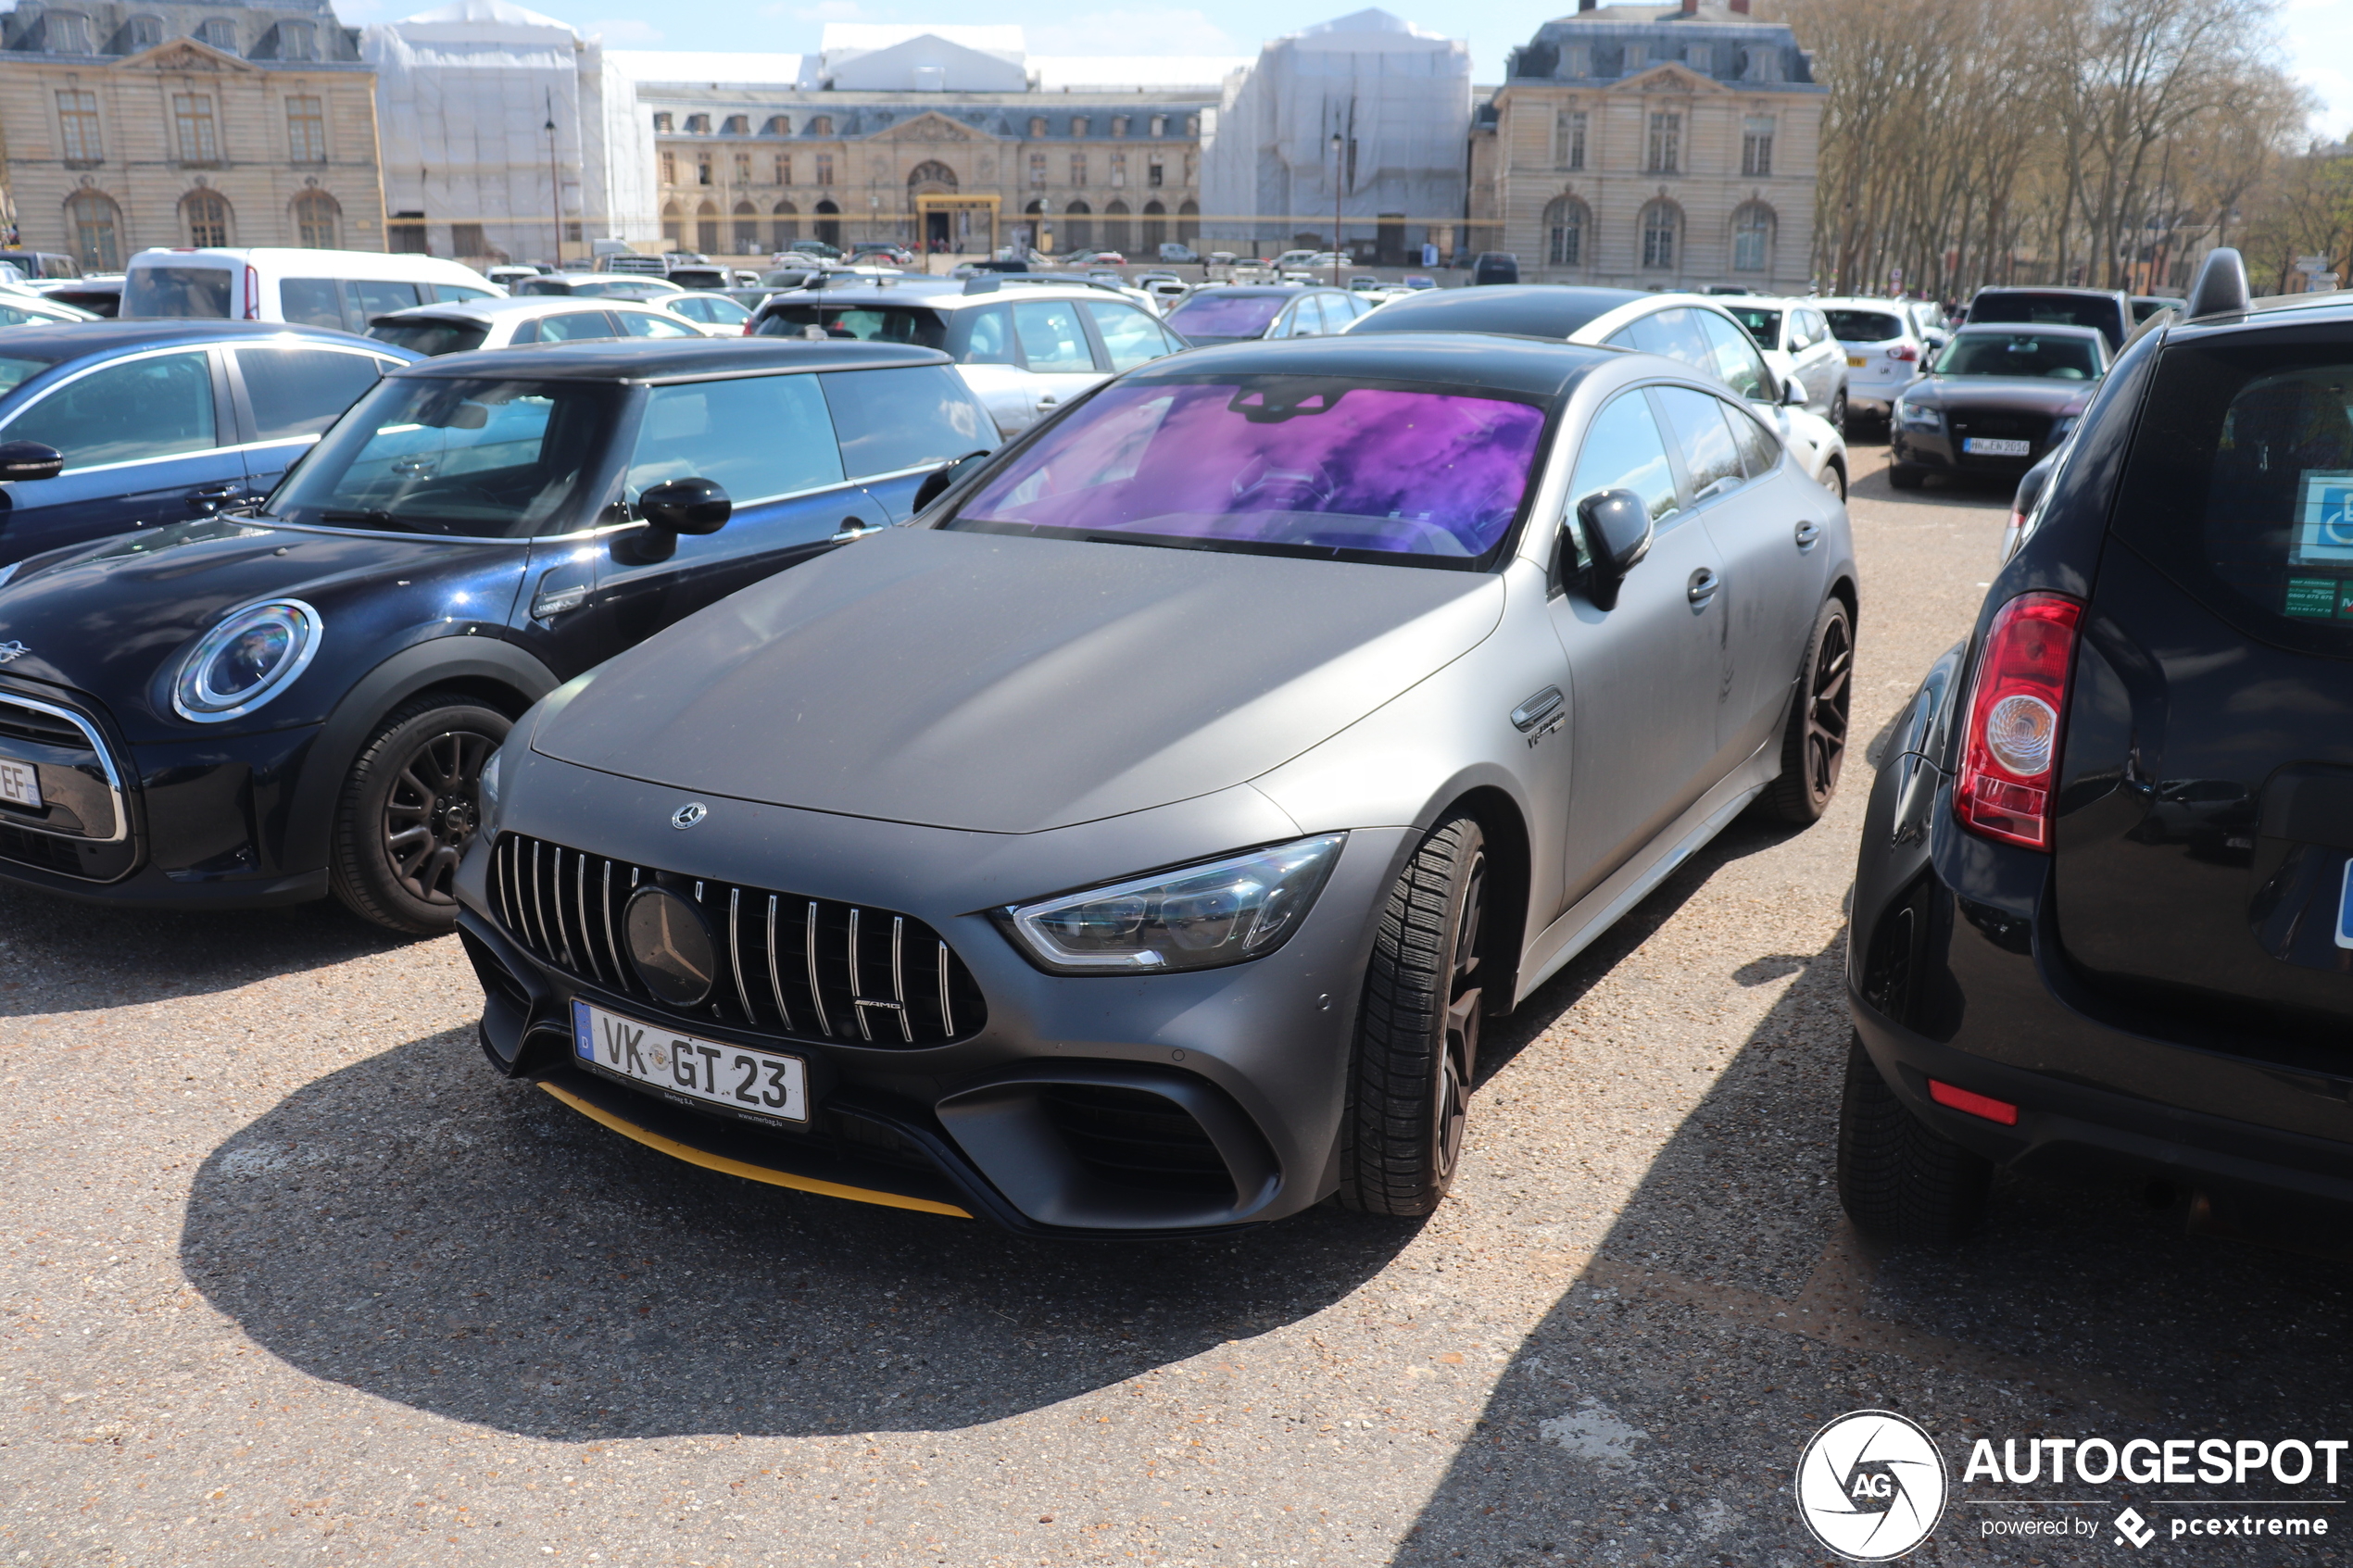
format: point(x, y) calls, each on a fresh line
point(286, 1276)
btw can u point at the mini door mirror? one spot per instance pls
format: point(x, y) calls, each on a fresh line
point(1617, 532)
point(687, 506)
point(945, 478)
point(1792, 392)
point(29, 459)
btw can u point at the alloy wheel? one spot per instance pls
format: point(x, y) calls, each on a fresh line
point(433, 810)
point(1451, 1087)
point(1828, 692)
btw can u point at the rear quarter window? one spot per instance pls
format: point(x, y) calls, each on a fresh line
point(2240, 484)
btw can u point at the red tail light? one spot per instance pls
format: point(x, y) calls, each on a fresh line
point(2009, 758)
point(1905, 352)
point(1975, 1104)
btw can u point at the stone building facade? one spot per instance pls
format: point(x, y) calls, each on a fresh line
point(1652, 148)
point(930, 142)
point(130, 125)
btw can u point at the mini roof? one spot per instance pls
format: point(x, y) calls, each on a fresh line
point(672, 359)
point(1474, 361)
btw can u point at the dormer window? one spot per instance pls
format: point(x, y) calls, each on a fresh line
point(1635, 59)
point(1701, 57)
point(1160, 125)
point(144, 32)
point(738, 125)
point(1577, 60)
point(1037, 125)
point(1764, 64)
point(699, 125)
point(822, 125)
point(1078, 125)
point(219, 32)
point(1119, 125)
point(779, 125)
point(296, 41)
point(69, 33)
point(663, 124)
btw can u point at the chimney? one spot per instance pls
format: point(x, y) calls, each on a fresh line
point(1740, 7)
point(1690, 8)
point(1587, 5)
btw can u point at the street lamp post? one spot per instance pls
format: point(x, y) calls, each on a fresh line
point(555, 181)
point(1339, 183)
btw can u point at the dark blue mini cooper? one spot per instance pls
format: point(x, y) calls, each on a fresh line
point(264, 708)
point(110, 426)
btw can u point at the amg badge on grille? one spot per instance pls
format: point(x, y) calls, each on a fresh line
point(686, 816)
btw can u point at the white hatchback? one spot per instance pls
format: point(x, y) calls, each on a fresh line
point(1885, 349)
point(528, 318)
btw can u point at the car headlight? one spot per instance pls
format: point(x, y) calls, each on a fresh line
point(1242, 906)
point(487, 788)
point(248, 658)
point(1919, 415)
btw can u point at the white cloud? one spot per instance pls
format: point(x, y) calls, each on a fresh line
point(626, 32)
point(1133, 32)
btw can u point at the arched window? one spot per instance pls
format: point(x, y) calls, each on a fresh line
point(738, 125)
point(1565, 223)
point(706, 228)
point(1753, 238)
point(1117, 235)
point(828, 223)
point(788, 225)
point(316, 217)
point(746, 228)
point(930, 173)
point(1662, 231)
point(97, 226)
point(1155, 228)
point(204, 216)
point(672, 229)
point(779, 125)
point(1078, 226)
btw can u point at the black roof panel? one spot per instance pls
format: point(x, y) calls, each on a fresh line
point(1538, 310)
point(657, 358)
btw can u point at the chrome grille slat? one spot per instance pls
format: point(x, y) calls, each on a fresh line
point(544, 893)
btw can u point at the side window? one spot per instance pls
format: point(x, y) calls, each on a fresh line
point(302, 391)
point(369, 300)
point(12, 317)
point(1132, 338)
point(314, 301)
point(992, 342)
point(1051, 339)
point(1760, 448)
point(1735, 359)
point(575, 325)
point(1711, 458)
point(645, 323)
point(1623, 451)
point(697, 432)
point(890, 420)
point(125, 413)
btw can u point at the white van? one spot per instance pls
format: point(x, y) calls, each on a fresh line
point(323, 288)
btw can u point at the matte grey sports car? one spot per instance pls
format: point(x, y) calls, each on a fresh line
point(1134, 842)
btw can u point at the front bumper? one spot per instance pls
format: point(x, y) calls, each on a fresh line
point(1097, 1105)
point(1940, 450)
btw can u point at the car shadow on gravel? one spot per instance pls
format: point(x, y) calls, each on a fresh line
point(425, 1232)
point(1659, 1409)
point(58, 955)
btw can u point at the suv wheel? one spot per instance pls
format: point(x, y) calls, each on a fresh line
point(1417, 1030)
point(409, 807)
point(1814, 739)
point(1898, 1178)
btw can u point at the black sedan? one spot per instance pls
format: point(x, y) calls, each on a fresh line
point(2103, 917)
point(1995, 400)
point(262, 709)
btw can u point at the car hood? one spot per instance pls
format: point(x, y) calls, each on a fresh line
point(2041, 393)
point(1014, 685)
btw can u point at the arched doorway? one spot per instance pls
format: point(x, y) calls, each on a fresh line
point(1155, 230)
point(932, 177)
point(788, 225)
point(673, 224)
point(1117, 233)
point(746, 228)
point(1079, 225)
point(829, 224)
point(1188, 222)
point(706, 228)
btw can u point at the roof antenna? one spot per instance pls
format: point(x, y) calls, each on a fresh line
point(2222, 286)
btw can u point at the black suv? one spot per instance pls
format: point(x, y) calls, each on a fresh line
point(2110, 310)
point(2104, 914)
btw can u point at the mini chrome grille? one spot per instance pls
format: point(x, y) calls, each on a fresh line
point(21, 722)
point(788, 965)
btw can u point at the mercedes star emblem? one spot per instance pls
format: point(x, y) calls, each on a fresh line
point(686, 816)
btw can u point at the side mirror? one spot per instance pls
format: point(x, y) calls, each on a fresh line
point(687, 506)
point(29, 459)
point(1617, 532)
point(945, 478)
point(1792, 392)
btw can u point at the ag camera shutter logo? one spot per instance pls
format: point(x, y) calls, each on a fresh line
point(1871, 1486)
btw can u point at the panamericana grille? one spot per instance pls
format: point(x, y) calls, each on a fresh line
point(788, 965)
point(21, 723)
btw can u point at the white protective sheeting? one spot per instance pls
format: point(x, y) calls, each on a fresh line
point(1399, 97)
point(464, 94)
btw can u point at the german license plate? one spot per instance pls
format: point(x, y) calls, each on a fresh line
point(1855, 361)
point(20, 785)
point(1989, 447)
point(759, 1083)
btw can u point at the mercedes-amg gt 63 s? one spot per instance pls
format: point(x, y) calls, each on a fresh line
point(1133, 843)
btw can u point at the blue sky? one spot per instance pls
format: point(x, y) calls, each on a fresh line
point(2318, 34)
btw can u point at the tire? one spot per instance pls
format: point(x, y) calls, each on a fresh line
point(1814, 736)
point(1905, 479)
point(1417, 1030)
point(409, 810)
point(1838, 412)
point(1834, 481)
point(1898, 1178)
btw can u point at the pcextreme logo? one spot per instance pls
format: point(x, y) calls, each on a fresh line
point(1871, 1486)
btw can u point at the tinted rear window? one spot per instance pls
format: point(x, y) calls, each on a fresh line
point(1227, 315)
point(867, 323)
point(197, 292)
point(1863, 326)
point(2050, 309)
point(2240, 485)
point(431, 337)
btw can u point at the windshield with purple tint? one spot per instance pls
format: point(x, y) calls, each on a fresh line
point(1289, 465)
point(1227, 315)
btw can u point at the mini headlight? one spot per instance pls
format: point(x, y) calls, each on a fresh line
point(246, 660)
point(1243, 906)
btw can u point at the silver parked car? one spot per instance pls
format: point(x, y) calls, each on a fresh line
point(1134, 842)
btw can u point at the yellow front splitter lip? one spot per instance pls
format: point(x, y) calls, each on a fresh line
point(709, 1161)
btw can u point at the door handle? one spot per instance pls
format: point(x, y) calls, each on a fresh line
point(210, 499)
point(1047, 400)
point(855, 528)
point(1703, 587)
point(1809, 534)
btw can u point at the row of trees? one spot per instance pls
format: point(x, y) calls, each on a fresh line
point(2103, 142)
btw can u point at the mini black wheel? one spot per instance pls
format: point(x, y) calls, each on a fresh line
point(1814, 738)
point(409, 807)
point(1898, 1178)
point(1417, 1030)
